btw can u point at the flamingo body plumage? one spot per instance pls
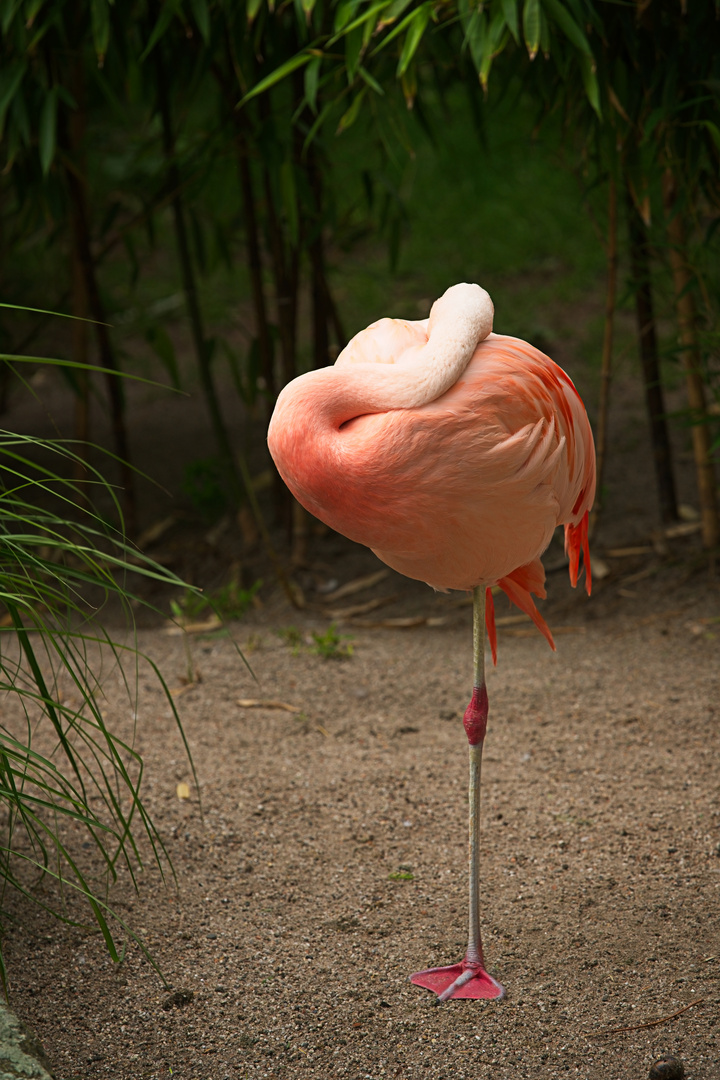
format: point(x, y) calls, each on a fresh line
point(457, 491)
point(453, 453)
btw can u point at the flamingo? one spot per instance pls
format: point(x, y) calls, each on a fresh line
point(453, 453)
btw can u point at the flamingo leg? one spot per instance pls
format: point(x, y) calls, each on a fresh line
point(469, 979)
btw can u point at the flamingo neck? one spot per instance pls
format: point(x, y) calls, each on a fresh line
point(458, 322)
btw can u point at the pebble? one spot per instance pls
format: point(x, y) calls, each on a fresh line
point(667, 1068)
point(178, 999)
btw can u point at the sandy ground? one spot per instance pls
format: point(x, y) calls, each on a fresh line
point(328, 861)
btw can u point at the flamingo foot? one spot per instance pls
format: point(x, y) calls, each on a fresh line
point(464, 980)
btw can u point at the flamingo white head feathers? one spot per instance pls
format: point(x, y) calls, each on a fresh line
point(453, 453)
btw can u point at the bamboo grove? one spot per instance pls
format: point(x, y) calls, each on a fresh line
point(259, 91)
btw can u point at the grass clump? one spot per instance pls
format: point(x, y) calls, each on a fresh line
point(331, 645)
point(66, 776)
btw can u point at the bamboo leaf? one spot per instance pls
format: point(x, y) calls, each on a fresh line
point(201, 15)
point(544, 34)
point(349, 117)
point(253, 6)
point(617, 104)
point(496, 39)
point(369, 29)
point(159, 341)
point(31, 11)
point(392, 12)
point(497, 33)
point(307, 6)
point(278, 75)
point(10, 78)
point(531, 26)
point(510, 11)
point(652, 122)
point(714, 132)
point(408, 82)
point(416, 29)
point(47, 131)
point(100, 20)
point(9, 8)
point(589, 77)
point(312, 76)
point(317, 124)
point(396, 30)
point(585, 14)
point(353, 50)
point(372, 83)
point(343, 14)
point(562, 18)
point(168, 12)
point(371, 13)
point(476, 37)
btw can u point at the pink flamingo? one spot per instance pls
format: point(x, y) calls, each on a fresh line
point(453, 453)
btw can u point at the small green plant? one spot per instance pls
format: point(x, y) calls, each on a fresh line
point(254, 643)
point(292, 636)
point(229, 602)
point(404, 873)
point(331, 645)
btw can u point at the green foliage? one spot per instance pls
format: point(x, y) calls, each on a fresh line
point(231, 601)
point(64, 771)
point(331, 645)
point(292, 636)
point(204, 484)
point(403, 874)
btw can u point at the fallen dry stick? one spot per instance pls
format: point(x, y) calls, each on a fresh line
point(361, 609)
point(403, 622)
point(260, 703)
point(650, 1023)
point(175, 628)
point(357, 585)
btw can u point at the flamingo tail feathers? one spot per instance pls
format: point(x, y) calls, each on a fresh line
point(530, 579)
point(519, 585)
point(490, 623)
point(576, 540)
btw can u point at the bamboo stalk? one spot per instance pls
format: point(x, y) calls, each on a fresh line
point(606, 366)
point(76, 130)
point(113, 380)
point(187, 271)
point(318, 292)
point(326, 318)
point(281, 272)
point(241, 126)
point(650, 361)
point(285, 278)
point(690, 357)
point(262, 326)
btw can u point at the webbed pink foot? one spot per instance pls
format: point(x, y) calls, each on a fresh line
point(464, 980)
